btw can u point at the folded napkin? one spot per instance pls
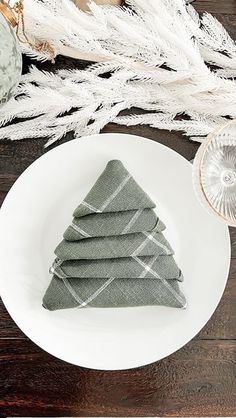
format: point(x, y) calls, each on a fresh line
point(114, 191)
point(112, 293)
point(114, 253)
point(142, 243)
point(113, 223)
point(126, 268)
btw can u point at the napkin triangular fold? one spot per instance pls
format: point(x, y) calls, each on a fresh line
point(112, 293)
point(113, 223)
point(114, 253)
point(140, 244)
point(154, 267)
point(114, 191)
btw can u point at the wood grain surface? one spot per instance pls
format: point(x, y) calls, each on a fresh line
point(198, 380)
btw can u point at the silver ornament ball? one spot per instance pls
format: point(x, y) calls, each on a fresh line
point(10, 60)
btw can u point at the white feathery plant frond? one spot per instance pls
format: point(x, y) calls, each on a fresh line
point(83, 102)
point(155, 57)
point(148, 33)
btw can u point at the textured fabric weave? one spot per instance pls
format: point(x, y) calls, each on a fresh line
point(112, 293)
point(153, 243)
point(113, 223)
point(114, 253)
point(127, 268)
point(114, 191)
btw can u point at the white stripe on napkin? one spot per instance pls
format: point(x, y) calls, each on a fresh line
point(109, 199)
point(115, 193)
point(90, 207)
point(146, 269)
point(95, 294)
point(81, 231)
point(164, 281)
point(72, 291)
point(132, 221)
point(140, 247)
point(159, 244)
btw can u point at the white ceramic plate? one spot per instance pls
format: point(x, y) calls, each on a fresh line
point(39, 208)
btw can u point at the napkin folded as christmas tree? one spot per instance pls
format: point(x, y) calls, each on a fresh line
point(114, 253)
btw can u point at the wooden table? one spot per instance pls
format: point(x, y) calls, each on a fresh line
point(198, 380)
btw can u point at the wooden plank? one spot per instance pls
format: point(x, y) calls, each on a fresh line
point(233, 242)
point(222, 325)
point(216, 6)
point(229, 22)
point(196, 381)
point(16, 156)
point(8, 328)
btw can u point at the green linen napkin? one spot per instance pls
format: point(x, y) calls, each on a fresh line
point(113, 223)
point(114, 191)
point(114, 253)
point(112, 293)
point(143, 243)
point(126, 268)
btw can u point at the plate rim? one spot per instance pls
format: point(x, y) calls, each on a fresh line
point(2, 213)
